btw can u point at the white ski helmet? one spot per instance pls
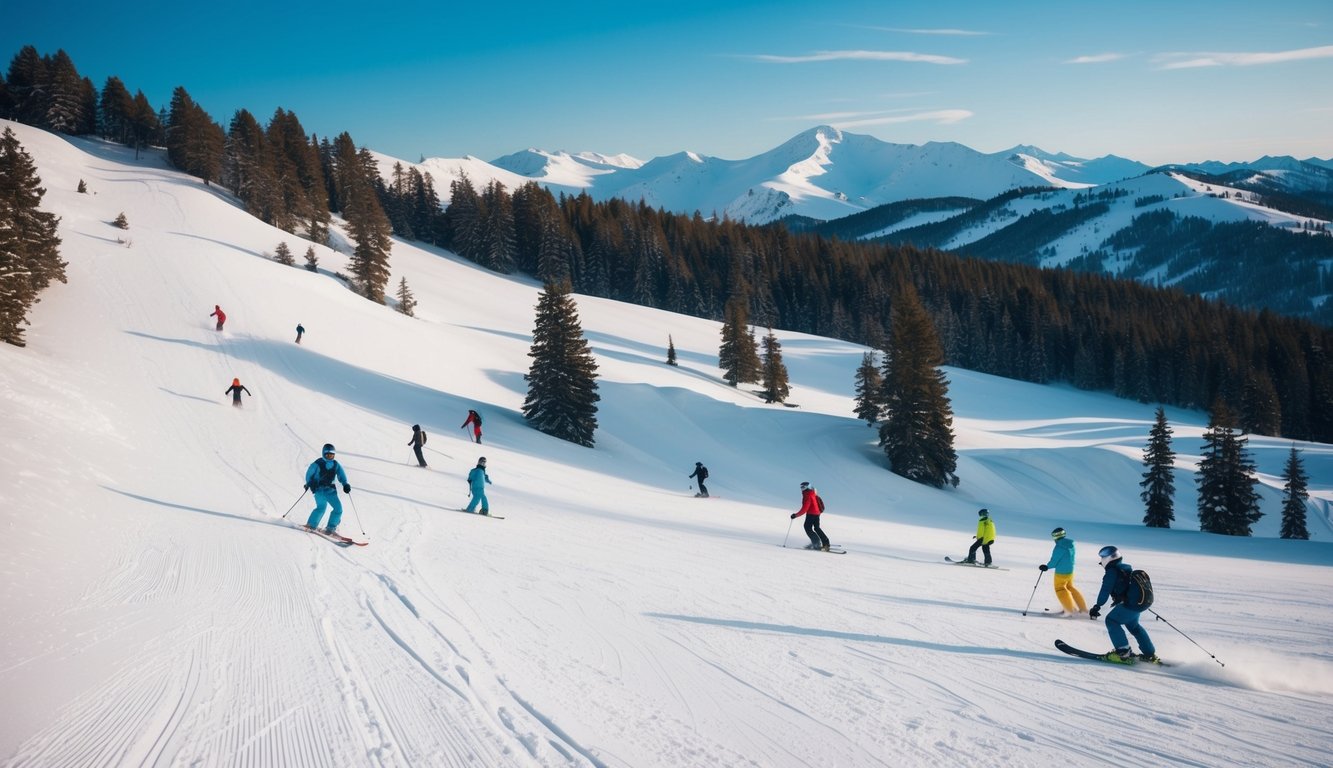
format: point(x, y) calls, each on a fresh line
point(1109, 555)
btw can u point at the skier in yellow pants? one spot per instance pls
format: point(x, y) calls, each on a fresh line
point(1062, 562)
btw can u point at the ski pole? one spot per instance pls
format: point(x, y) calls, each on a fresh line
point(1034, 591)
point(356, 512)
point(1187, 637)
point(294, 503)
point(784, 538)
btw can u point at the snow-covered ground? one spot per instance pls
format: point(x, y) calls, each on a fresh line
point(159, 611)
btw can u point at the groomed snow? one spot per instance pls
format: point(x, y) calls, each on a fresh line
point(159, 611)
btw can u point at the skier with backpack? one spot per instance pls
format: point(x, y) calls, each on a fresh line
point(1130, 593)
point(474, 419)
point(1062, 562)
point(418, 440)
point(321, 477)
point(701, 474)
point(812, 507)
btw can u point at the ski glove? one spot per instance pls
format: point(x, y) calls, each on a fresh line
point(1043, 567)
point(793, 515)
point(305, 487)
point(1095, 611)
point(347, 488)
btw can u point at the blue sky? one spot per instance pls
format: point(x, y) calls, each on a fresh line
point(1179, 81)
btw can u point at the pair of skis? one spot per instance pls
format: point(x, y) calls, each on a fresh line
point(1102, 657)
point(337, 538)
point(974, 564)
point(832, 550)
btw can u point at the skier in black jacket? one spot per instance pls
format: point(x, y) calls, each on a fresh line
point(417, 441)
point(700, 472)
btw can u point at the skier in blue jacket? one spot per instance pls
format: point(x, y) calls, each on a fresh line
point(477, 480)
point(1115, 586)
point(321, 478)
point(1062, 562)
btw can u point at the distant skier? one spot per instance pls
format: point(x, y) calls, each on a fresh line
point(984, 538)
point(219, 314)
point(417, 442)
point(812, 507)
point(701, 474)
point(477, 480)
point(321, 477)
point(1062, 562)
point(235, 391)
point(300, 331)
point(474, 419)
point(1117, 585)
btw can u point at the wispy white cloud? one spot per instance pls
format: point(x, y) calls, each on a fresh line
point(1194, 60)
point(1098, 58)
point(956, 32)
point(937, 116)
point(925, 58)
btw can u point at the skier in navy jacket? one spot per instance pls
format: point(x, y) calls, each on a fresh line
point(1115, 586)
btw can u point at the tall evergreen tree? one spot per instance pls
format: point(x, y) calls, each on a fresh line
point(775, 380)
point(29, 86)
point(283, 254)
point(1159, 481)
point(116, 111)
point(671, 352)
point(1295, 492)
point(1228, 501)
point(917, 428)
point(562, 382)
point(29, 246)
point(367, 226)
point(463, 219)
point(67, 107)
point(737, 356)
point(1260, 412)
point(497, 250)
point(868, 389)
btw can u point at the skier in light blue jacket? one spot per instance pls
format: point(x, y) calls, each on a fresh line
point(320, 478)
point(1062, 562)
point(477, 480)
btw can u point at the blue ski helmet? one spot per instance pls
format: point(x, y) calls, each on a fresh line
point(1109, 555)
point(328, 448)
point(983, 513)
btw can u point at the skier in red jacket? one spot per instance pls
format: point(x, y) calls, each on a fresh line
point(474, 419)
point(812, 507)
point(219, 314)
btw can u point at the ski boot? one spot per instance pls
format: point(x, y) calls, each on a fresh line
point(1119, 656)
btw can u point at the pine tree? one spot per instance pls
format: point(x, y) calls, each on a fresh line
point(311, 260)
point(868, 386)
point(1294, 494)
point(406, 302)
point(1260, 411)
point(1228, 501)
point(917, 429)
point(120, 222)
point(1159, 482)
point(671, 352)
point(737, 356)
point(562, 382)
point(283, 254)
point(775, 381)
point(367, 226)
point(29, 246)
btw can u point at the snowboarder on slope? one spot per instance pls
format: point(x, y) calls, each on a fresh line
point(476, 482)
point(300, 331)
point(235, 391)
point(1062, 561)
point(700, 472)
point(417, 441)
point(474, 419)
point(219, 314)
point(320, 478)
point(1115, 585)
point(984, 538)
point(812, 507)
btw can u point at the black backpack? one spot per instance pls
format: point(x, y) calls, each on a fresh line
point(1138, 593)
point(703, 472)
point(325, 475)
point(820, 501)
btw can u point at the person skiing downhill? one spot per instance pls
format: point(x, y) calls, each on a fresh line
point(320, 478)
point(701, 474)
point(477, 480)
point(474, 419)
point(812, 508)
point(235, 391)
point(300, 331)
point(219, 314)
point(418, 440)
point(1116, 584)
point(1062, 562)
point(984, 538)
